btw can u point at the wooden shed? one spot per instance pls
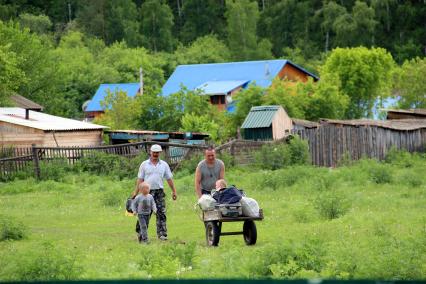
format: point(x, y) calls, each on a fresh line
point(266, 123)
point(22, 128)
point(406, 114)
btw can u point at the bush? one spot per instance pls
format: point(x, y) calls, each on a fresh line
point(380, 174)
point(101, 163)
point(46, 263)
point(399, 157)
point(188, 166)
point(54, 169)
point(331, 205)
point(276, 156)
point(11, 229)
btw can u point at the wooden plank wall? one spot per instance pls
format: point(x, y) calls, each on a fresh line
point(329, 143)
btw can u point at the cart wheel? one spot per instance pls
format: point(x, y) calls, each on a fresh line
point(212, 233)
point(249, 232)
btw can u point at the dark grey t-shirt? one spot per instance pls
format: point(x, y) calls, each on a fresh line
point(209, 175)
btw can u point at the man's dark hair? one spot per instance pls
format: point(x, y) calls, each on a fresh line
point(210, 148)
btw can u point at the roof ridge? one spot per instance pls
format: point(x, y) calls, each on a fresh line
point(233, 62)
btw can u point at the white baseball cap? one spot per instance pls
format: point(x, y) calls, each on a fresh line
point(156, 148)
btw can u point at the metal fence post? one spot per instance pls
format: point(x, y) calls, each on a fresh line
point(36, 161)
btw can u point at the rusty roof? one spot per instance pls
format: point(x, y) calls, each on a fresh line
point(420, 111)
point(397, 124)
point(305, 123)
point(23, 102)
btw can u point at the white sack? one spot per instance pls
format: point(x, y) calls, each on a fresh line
point(250, 207)
point(207, 202)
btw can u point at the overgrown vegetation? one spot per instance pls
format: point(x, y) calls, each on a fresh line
point(319, 223)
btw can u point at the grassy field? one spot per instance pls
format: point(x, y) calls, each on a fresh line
point(362, 221)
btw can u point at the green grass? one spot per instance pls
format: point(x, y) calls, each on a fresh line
point(76, 228)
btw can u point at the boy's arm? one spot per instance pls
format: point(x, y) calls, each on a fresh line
point(154, 206)
point(135, 205)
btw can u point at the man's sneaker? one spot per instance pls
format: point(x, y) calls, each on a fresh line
point(163, 238)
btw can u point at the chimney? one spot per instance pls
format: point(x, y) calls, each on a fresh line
point(140, 81)
point(27, 113)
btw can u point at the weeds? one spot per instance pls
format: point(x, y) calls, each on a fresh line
point(11, 229)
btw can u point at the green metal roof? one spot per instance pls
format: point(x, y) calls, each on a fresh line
point(260, 116)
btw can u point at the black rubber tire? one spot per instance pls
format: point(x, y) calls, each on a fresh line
point(249, 232)
point(212, 233)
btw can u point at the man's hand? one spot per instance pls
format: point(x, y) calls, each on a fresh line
point(174, 196)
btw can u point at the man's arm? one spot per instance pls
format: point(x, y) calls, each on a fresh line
point(197, 182)
point(172, 186)
point(222, 171)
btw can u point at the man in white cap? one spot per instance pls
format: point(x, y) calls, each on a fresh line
point(153, 171)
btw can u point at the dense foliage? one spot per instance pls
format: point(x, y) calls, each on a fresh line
point(57, 53)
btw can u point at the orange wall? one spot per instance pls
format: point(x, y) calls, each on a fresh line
point(293, 74)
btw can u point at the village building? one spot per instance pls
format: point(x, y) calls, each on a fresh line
point(221, 81)
point(406, 114)
point(94, 107)
point(23, 127)
point(266, 123)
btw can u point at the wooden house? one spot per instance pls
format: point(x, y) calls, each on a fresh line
point(22, 128)
point(266, 123)
point(221, 81)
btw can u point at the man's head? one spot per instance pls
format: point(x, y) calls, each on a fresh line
point(210, 154)
point(144, 188)
point(155, 151)
point(220, 183)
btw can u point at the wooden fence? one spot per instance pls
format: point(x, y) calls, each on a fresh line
point(29, 158)
point(329, 143)
point(242, 151)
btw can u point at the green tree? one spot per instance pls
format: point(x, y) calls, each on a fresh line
point(157, 24)
point(200, 123)
point(356, 28)
point(362, 74)
point(201, 18)
point(245, 100)
point(328, 14)
point(121, 111)
point(32, 58)
point(410, 84)
point(242, 16)
point(39, 24)
point(206, 49)
point(10, 75)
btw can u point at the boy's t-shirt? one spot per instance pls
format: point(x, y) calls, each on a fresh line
point(144, 204)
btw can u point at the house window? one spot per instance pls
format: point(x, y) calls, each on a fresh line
point(217, 100)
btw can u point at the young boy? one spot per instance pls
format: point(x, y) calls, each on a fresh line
point(143, 205)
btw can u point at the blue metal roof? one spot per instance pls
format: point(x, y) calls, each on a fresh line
point(260, 72)
point(221, 87)
point(130, 88)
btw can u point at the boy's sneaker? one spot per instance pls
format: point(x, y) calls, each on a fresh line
point(139, 238)
point(163, 238)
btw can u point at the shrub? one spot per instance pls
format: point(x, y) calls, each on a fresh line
point(276, 156)
point(98, 163)
point(46, 263)
point(54, 169)
point(380, 174)
point(399, 157)
point(331, 205)
point(188, 166)
point(11, 229)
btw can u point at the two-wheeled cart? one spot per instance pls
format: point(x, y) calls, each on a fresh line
point(213, 220)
